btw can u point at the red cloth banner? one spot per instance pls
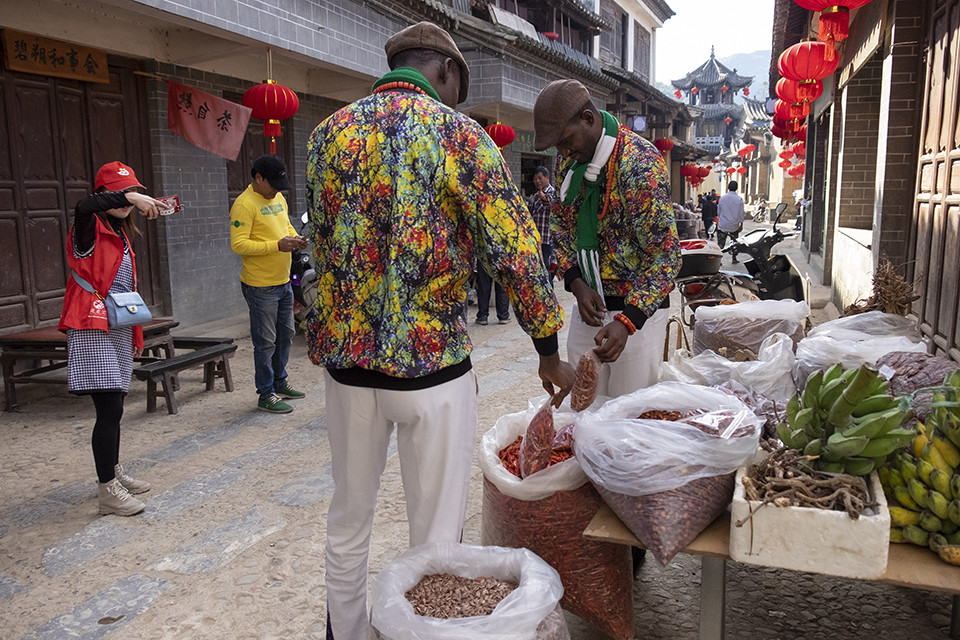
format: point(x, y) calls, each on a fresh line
point(206, 121)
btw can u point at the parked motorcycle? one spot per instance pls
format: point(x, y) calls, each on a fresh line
point(769, 277)
point(303, 279)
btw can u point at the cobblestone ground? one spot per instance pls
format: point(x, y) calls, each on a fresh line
point(231, 544)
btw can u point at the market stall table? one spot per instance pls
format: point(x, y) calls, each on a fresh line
point(907, 566)
point(50, 344)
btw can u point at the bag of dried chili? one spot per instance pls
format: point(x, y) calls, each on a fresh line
point(667, 476)
point(584, 390)
point(547, 513)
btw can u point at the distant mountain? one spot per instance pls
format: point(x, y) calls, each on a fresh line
point(756, 64)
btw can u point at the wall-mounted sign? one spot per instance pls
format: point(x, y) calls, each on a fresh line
point(523, 143)
point(36, 54)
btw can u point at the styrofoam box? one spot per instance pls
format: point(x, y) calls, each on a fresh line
point(809, 539)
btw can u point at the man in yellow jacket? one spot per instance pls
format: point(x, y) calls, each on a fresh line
point(261, 234)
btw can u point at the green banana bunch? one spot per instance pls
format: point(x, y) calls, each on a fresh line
point(929, 521)
point(916, 535)
point(937, 503)
point(940, 481)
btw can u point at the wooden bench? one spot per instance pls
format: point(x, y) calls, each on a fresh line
point(215, 359)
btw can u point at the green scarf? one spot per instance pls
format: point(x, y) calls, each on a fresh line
point(411, 75)
point(588, 242)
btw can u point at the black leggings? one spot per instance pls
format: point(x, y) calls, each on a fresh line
point(106, 432)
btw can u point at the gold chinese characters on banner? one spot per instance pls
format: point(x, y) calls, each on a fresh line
point(35, 54)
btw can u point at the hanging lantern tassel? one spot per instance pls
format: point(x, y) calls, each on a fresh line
point(834, 26)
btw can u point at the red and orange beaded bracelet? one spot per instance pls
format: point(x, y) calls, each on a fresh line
point(631, 329)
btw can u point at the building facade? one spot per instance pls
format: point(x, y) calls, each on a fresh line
point(58, 131)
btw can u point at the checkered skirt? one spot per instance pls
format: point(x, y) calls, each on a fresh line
point(99, 360)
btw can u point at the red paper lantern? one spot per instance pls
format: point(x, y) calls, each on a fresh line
point(550, 35)
point(785, 164)
point(802, 134)
point(271, 102)
point(799, 91)
point(731, 170)
point(834, 18)
point(742, 171)
point(663, 144)
point(501, 134)
point(807, 61)
point(747, 150)
point(703, 172)
point(724, 88)
point(780, 132)
point(746, 91)
point(728, 120)
point(786, 154)
point(678, 93)
point(800, 149)
point(688, 170)
point(694, 91)
point(791, 110)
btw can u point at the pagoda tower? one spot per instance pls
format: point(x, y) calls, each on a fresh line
point(711, 87)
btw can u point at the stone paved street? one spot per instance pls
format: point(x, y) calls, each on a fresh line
point(231, 544)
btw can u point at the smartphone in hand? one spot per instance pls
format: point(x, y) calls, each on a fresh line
point(171, 204)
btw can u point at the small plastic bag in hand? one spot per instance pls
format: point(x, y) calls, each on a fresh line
point(537, 445)
point(584, 390)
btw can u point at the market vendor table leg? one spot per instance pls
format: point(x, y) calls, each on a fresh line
point(713, 597)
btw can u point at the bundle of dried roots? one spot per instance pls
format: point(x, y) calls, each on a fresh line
point(785, 480)
point(891, 293)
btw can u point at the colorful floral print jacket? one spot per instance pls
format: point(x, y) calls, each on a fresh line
point(639, 245)
point(404, 194)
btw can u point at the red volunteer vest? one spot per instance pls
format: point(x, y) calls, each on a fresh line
point(82, 309)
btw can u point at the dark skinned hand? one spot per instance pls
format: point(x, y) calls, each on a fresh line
point(589, 303)
point(610, 341)
point(554, 371)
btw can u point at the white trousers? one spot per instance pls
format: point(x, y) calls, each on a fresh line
point(639, 362)
point(436, 429)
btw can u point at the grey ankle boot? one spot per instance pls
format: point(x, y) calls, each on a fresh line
point(114, 498)
point(131, 485)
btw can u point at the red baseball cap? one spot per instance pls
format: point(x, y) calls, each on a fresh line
point(116, 176)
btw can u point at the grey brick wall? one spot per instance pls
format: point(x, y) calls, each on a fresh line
point(859, 154)
point(202, 271)
point(903, 78)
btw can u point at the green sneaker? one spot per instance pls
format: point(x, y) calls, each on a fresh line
point(286, 391)
point(273, 404)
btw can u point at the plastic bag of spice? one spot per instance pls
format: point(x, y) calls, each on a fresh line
point(667, 480)
point(729, 328)
point(529, 612)
point(537, 443)
point(584, 390)
point(547, 513)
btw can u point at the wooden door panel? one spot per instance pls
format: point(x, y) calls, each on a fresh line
point(922, 250)
point(73, 140)
point(935, 91)
point(46, 252)
point(11, 280)
point(948, 286)
point(36, 142)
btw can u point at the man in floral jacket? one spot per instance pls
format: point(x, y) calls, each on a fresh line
point(614, 234)
point(403, 193)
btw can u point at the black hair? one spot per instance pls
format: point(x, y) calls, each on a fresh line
point(416, 58)
point(732, 186)
point(542, 171)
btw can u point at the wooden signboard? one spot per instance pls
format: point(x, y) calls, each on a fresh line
point(36, 54)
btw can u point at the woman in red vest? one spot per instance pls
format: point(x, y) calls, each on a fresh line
point(100, 360)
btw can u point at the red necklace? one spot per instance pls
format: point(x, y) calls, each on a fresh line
point(399, 85)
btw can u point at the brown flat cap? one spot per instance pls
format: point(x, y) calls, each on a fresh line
point(556, 106)
point(427, 35)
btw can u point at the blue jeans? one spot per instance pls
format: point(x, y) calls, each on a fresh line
point(271, 330)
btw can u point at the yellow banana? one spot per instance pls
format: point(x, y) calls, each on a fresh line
point(900, 517)
point(932, 455)
point(954, 486)
point(949, 553)
point(919, 442)
point(918, 492)
point(916, 535)
point(896, 535)
point(938, 504)
point(947, 450)
point(953, 511)
point(902, 495)
point(940, 481)
point(929, 521)
point(924, 469)
point(907, 469)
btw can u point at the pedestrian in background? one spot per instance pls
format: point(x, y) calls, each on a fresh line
point(731, 214)
point(403, 193)
point(708, 213)
point(540, 204)
point(614, 233)
point(261, 234)
point(100, 359)
point(501, 300)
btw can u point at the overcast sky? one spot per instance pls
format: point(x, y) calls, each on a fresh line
point(733, 26)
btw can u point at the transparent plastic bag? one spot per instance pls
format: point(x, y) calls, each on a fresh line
point(519, 616)
point(770, 376)
point(584, 390)
point(747, 324)
point(624, 454)
point(667, 481)
point(547, 513)
point(537, 443)
point(854, 341)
